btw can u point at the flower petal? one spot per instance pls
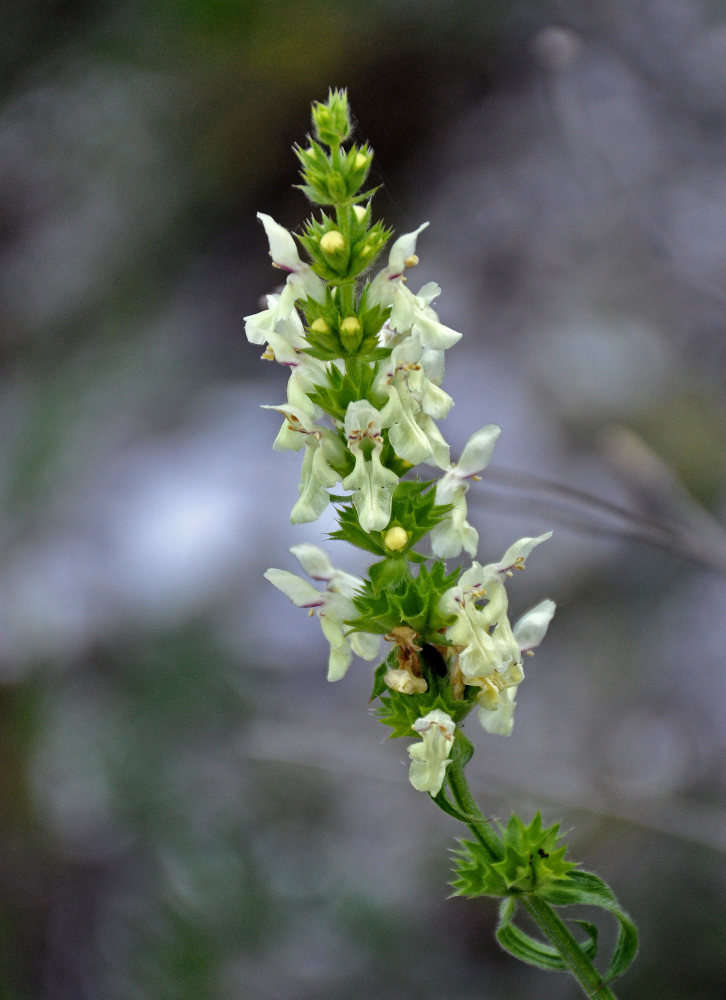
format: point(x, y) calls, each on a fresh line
point(532, 627)
point(478, 451)
point(300, 592)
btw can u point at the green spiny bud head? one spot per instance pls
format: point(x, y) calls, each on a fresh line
point(399, 709)
point(316, 168)
point(366, 249)
point(331, 120)
point(322, 321)
point(328, 248)
point(415, 603)
point(355, 167)
point(351, 334)
point(533, 862)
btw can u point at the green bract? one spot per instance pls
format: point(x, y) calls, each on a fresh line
point(413, 603)
point(533, 862)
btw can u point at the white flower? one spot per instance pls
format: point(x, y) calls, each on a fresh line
point(516, 555)
point(499, 720)
point(285, 335)
point(317, 476)
point(455, 533)
point(532, 627)
point(489, 650)
point(324, 450)
point(286, 345)
point(412, 401)
point(429, 758)
point(302, 282)
point(372, 482)
point(496, 707)
point(410, 313)
point(299, 424)
point(334, 604)
point(402, 255)
point(483, 635)
point(414, 312)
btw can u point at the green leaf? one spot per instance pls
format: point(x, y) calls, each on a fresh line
point(443, 802)
point(527, 949)
point(588, 889)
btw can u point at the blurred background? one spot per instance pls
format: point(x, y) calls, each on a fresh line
point(188, 808)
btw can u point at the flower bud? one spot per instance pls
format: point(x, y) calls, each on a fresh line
point(396, 538)
point(331, 121)
point(332, 243)
point(351, 333)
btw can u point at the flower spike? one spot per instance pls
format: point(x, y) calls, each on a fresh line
point(365, 359)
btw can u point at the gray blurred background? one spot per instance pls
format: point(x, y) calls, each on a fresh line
point(188, 808)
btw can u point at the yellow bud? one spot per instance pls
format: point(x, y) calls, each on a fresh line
point(360, 212)
point(395, 538)
point(350, 326)
point(360, 161)
point(332, 242)
point(366, 250)
point(319, 325)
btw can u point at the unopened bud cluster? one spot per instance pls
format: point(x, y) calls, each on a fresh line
point(365, 356)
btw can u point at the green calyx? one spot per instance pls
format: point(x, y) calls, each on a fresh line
point(344, 387)
point(344, 247)
point(413, 508)
point(331, 120)
point(399, 711)
point(336, 332)
point(412, 602)
point(334, 178)
point(532, 863)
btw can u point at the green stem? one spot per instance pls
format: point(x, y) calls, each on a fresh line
point(554, 929)
point(579, 964)
point(478, 825)
point(346, 298)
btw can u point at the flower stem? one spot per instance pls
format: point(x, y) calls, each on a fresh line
point(577, 961)
point(478, 825)
point(554, 929)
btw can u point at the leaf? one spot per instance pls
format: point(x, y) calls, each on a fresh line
point(527, 949)
point(590, 890)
